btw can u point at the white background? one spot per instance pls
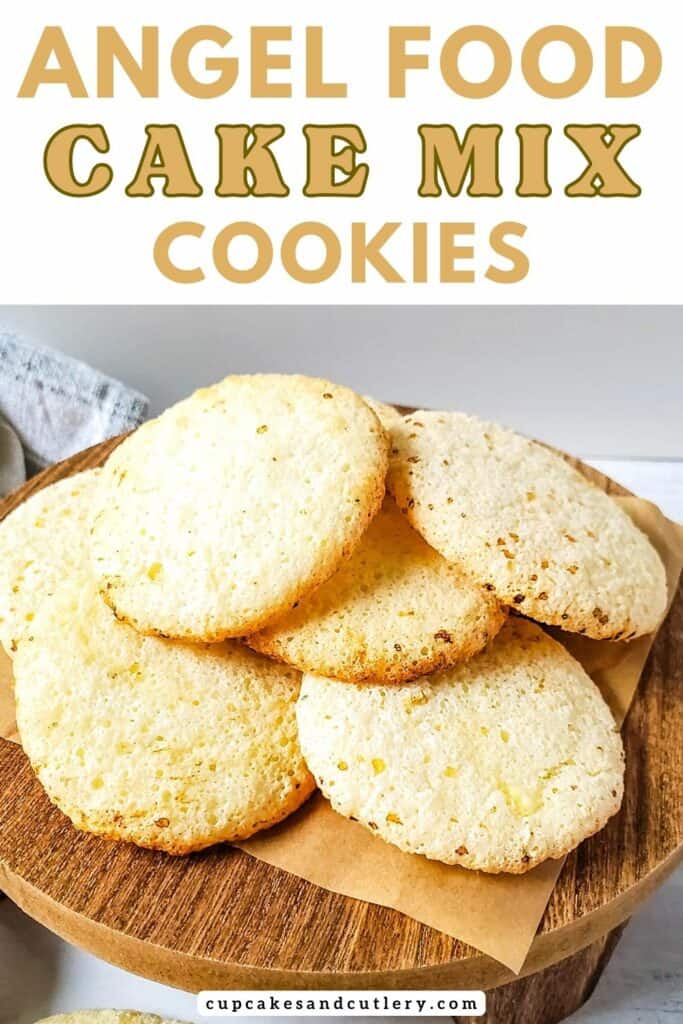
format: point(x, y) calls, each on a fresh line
point(59, 249)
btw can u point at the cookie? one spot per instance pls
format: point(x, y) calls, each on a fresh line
point(234, 504)
point(107, 1017)
point(526, 525)
point(167, 745)
point(40, 543)
point(494, 765)
point(394, 611)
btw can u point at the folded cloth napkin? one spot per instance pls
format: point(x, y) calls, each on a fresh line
point(52, 406)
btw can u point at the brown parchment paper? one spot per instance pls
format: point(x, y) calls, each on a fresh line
point(497, 914)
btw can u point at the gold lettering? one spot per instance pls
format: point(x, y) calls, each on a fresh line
point(400, 61)
point(324, 162)
point(316, 86)
point(531, 61)
point(519, 261)
point(59, 160)
point(533, 159)
point(143, 75)
point(450, 56)
point(450, 253)
point(249, 168)
point(615, 37)
point(445, 156)
point(52, 43)
point(332, 252)
point(227, 67)
point(164, 156)
point(601, 145)
point(364, 251)
point(263, 61)
point(221, 254)
point(162, 255)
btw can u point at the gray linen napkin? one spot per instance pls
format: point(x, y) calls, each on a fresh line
point(52, 406)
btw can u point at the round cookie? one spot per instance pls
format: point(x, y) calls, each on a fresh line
point(494, 765)
point(40, 543)
point(235, 503)
point(167, 745)
point(526, 525)
point(107, 1017)
point(394, 611)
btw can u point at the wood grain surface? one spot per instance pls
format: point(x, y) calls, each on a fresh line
point(223, 919)
point(553, 994)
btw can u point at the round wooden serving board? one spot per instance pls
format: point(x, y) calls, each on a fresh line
point(222, 919)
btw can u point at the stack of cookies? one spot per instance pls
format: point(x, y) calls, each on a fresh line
point(278, 584)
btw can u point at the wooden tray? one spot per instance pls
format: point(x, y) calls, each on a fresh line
point(224, 920)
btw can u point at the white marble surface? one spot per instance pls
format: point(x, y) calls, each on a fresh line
point(643, 984)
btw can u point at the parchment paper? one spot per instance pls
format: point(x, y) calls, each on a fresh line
point(498, 914)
